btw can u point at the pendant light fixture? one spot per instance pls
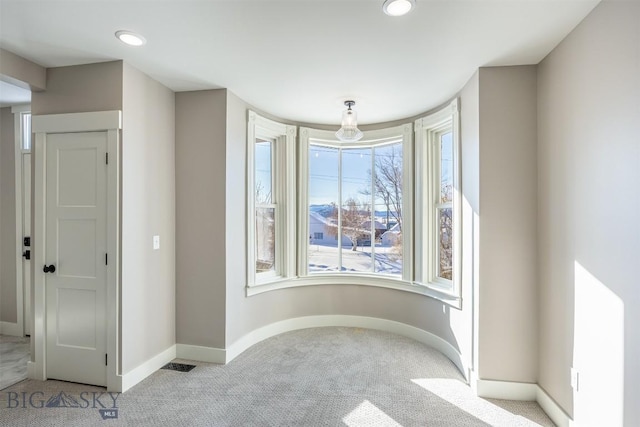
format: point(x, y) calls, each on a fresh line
point(349, 131)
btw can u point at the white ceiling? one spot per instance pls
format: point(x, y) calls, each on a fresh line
point(298, 59)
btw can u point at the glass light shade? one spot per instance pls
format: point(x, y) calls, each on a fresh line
point(349, 131)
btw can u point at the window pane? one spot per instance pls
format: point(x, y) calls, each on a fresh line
point(445, 243)
point(369, 177)
point(356, 210)
point(265, 239)
point(446, 167)
point(26, 131)
point(388, 199)
point(264, 179)
point(323, 211)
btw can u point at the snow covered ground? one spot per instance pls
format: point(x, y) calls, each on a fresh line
point(325, 259)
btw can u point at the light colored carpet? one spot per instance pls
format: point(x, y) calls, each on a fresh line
point(312, 377)
point(14, 355)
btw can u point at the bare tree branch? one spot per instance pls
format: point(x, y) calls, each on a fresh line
point(353, 216)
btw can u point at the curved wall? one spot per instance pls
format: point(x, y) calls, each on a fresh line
point(200, 145)
point(245, 314)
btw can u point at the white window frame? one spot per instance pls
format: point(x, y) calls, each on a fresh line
point(428, 131)
point(283, 198)
point(309, 136)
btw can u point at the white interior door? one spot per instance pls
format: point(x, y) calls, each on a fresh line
point(76, 246)
point(26, 232)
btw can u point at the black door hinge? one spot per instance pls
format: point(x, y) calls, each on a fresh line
point(106, 259)
point(105, 359)
point(106, 157)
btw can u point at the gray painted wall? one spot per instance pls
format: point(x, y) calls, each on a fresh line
point(589, 210)
point(200, 217)
point(21, 72)
point(80, 88)
point(507, 297)
point(8, 304)
point(148, 209)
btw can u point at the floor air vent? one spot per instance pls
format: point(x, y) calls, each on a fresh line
point(180, 367)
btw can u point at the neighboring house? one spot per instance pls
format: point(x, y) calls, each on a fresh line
point(320, 231)
point(392, 236)
point(380, 227)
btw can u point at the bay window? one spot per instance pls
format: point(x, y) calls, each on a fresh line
point(383, 211)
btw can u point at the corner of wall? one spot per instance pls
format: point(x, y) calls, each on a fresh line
point(201, 187)
point(507, 321)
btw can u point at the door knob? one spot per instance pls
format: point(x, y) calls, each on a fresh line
point(49, 268)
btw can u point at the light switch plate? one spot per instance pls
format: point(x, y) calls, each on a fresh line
point(575, 379)
point(156, 242)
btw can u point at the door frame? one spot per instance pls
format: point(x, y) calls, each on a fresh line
point(17, 328)
point(110, 122)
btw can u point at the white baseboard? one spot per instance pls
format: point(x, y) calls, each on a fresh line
point(217, 355)
point(201, 354)
point(522, 391)
point(553, 410)
point(506, 390)
point(33, 373)
point(8, 328)
point(147, 368)
point(297, 323)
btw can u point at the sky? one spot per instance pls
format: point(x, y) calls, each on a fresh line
point(263, 166)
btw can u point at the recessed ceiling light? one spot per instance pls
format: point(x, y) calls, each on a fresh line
point(398, 7)
point(130, 38)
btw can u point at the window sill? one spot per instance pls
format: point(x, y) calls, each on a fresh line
point(358, 280)
point(435, 291)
